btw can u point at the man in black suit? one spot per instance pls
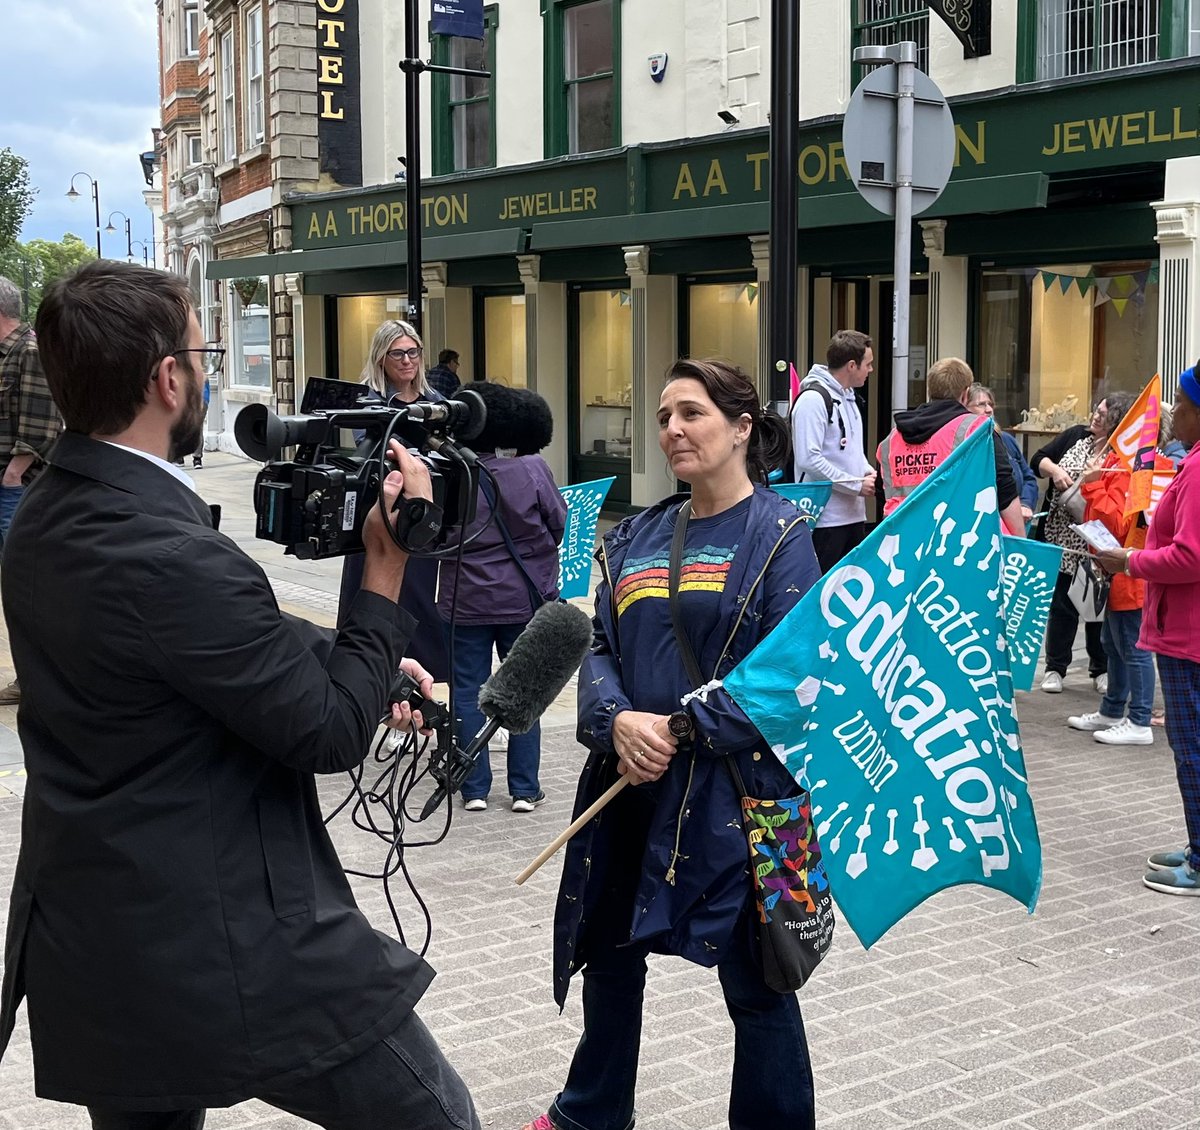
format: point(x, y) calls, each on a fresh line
point(180, 923)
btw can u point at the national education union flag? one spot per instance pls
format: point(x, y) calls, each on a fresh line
point(887, 693)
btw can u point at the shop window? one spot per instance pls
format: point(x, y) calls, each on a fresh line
point(1053, 338)
point(191, 27)
point(605, 359)
point(885, 22)
point(1062, 38)
point(249, 357)
point(583, 51)
point(722, 321)
point(464, 116)
point(501, 350)
point(357, 320)
point(228, 99)
point(255, 88)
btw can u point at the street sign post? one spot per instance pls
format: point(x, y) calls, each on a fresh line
point(898, 139)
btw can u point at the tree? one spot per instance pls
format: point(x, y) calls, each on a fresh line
point(16, 197)
point(33, 266)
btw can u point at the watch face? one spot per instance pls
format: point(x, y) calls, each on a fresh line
point(680, 725)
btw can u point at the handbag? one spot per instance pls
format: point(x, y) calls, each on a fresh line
point(791, 892)
point(1072, 501)
point(1087, 592)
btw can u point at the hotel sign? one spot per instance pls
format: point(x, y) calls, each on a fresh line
point(339, 117)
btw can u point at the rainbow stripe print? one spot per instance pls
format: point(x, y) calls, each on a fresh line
point(704, 570)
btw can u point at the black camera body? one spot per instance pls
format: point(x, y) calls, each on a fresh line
point(315, 503)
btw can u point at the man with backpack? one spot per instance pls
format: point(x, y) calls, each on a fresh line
point(827, 443)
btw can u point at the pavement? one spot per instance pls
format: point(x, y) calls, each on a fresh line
point(968, 1014)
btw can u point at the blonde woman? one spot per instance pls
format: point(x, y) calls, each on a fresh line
point(395, 373)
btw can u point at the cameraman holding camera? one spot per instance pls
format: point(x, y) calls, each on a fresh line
point(180, 923)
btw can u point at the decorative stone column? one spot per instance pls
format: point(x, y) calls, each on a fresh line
point(948, 276)
point(1178, 238)
point(434, 277)
point(652, 298)
point(529, 267)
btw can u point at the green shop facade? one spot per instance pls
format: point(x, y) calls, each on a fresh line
point(1060, 261)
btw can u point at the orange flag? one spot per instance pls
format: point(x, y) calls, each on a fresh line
point(1146, 488)
point(1136, 436)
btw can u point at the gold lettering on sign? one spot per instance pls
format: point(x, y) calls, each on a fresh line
point(1131, 125)
point(1103, 132)
point(716, 179)
point(1154, 134)
point(757, 160)
point(329, 61)
point(1178, 133)
point(813, 164)
point(976, 149)
point(1117, 131)
point(684, 182)
point(531, 205)
point(1072, 137)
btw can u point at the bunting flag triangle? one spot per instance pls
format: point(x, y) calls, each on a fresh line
point(1152, 277)
point(1102, 285)
point(1122, 286)
point(1136, 436)
point(887, 691)
point(1100, 298)
point(1086, 283)
point(1065, 281)
point(793, 382)
point(1119, 305)
point(1048, 279)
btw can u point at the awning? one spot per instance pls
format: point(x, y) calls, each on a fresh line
point(394, 253)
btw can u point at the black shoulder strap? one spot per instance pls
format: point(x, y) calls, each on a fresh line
point(689, 656)
point(535, 597)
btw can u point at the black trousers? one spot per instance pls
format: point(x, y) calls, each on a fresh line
point(1061, 627)
point(832, 543)
point(402, 1083)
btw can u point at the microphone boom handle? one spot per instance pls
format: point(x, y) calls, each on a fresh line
point(573, 827)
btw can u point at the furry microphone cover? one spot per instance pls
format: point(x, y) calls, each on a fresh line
point(517, 418)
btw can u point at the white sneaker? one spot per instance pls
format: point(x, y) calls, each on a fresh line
point(1052, 683)
point(476, 804)
point(1093, 721)
point(1125, 733)
point(1100, 682)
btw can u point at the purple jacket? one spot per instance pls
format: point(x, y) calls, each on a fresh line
point(493, 590)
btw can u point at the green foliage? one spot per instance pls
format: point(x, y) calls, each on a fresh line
point(16, 196)
point(33, 266)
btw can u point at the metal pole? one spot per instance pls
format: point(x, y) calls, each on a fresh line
point(96, 201)
point(902, 265)
point(412, 166)
point(128, 241)
point(784, 152)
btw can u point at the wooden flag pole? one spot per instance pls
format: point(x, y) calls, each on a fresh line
point(574, 827)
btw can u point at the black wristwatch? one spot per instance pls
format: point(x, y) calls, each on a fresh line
point(680, 725)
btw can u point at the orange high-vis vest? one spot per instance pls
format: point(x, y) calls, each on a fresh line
point(905, 466)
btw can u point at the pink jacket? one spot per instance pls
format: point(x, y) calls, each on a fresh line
point(1170, 566)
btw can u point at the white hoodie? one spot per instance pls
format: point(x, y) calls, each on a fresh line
point(818, 452)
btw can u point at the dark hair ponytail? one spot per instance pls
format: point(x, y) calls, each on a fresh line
point(769, 445)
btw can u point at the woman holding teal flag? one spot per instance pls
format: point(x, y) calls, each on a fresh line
point(663, 868)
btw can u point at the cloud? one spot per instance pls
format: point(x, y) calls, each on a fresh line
point(82, 95)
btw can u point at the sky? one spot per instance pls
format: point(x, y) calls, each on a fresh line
point(79, 91)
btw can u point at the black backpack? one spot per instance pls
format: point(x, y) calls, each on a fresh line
point(809, 384)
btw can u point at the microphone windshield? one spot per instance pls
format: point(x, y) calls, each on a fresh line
point(543, 658)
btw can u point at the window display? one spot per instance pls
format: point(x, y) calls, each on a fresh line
point(605, 372)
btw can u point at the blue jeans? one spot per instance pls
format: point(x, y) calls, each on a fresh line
point(772, 1076)
point(472, 666)
point(404, 1080)
point(1130, 669)
point(9, 497)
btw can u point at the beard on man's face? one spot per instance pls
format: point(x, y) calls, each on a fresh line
point(188, 430)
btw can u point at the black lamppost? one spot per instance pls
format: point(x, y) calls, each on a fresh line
point(128, 235)
point(72, 194)
point(147, 246)
point(783, 146)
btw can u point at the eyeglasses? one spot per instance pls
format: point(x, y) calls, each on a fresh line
point(211, 361)
point(401, 354)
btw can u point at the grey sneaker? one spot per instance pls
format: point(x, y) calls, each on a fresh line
point(10, 695)
point(1178, 881)
point(1167, 860)
point(527, 803)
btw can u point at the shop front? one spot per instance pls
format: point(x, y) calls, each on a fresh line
point(1047, 263)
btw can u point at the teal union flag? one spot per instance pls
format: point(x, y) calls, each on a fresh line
point(887, 693)
point(584, 501)
point(809, 498)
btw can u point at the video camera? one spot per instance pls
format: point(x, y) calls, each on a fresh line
point(316, 503)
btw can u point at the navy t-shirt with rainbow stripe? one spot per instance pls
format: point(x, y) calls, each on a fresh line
point(651, 665)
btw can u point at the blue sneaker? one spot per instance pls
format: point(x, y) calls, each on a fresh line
point(1167, 860)
point(1178, 881)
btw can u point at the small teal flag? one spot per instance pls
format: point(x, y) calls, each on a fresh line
point(809, 498)
point(579, 538)
point(887, 692)
point(1030, 570)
